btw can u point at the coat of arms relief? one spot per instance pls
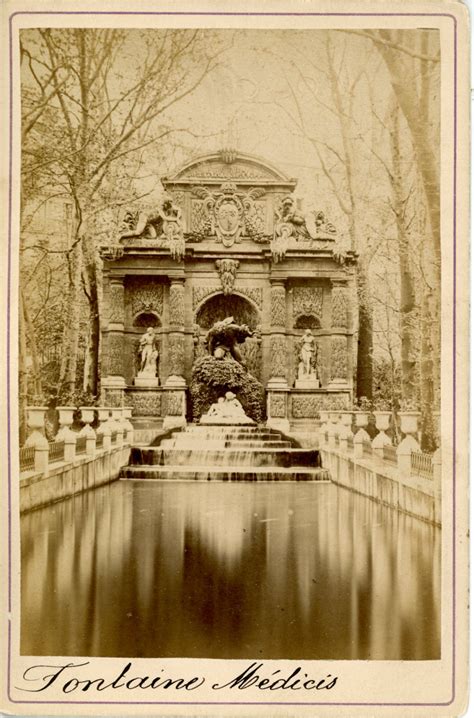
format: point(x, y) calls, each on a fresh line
point(227, 214)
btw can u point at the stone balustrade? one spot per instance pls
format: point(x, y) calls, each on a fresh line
point(400, 476)
point(75, 460)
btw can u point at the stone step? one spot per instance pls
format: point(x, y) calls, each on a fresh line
point(225, 457)
point(219, 431)
point(227, 473)
point(186, 442)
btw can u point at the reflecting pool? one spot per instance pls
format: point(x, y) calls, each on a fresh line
point(229, 570)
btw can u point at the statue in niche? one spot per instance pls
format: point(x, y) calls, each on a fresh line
point(224, 337)
point(307, 372)
point(148, 359)
point(226, 410)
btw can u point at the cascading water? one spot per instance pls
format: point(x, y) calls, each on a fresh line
point(232, 453)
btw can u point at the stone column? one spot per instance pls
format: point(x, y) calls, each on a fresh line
point(175, 397)
point(113, 382)
point(277, 387)
point(340, 351)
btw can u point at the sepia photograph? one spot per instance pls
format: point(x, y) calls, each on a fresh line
point(230, 346)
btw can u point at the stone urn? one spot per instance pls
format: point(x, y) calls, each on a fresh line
point(409, 422)
point(382, 420)
point(103, 414)
point(36, 417)
point(66, 415)
point(361, 419)
point(87, 414)
point(66, 419)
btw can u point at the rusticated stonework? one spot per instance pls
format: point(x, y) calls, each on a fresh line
point(339, 358)
point(174, 403)
point(115, 354)
point(278, 357)
point(339, 308)
point(308, 406)
point(278, 305)
point(113, 397)
point(145, 403)
point(146, 296)
point(255, 294)
point(176, 354)
point(116, 303)
point(307, 301)
point(176, 304)
point(277, 406)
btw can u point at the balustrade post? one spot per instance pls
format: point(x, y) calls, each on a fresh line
point(36, 425)
point(66, 418)
point(404, 452)
point(346, 420)
point(334, 416)
point(117, 421)
point(42, 455)
point(382, 423)
point(69, 437)
point(127, 414)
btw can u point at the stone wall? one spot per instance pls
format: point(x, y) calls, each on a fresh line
point(384, 484)
point(68, 479)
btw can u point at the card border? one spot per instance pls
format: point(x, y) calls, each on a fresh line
point(454, 348)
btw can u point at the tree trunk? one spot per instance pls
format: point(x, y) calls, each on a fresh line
point(407, 288)
point(70, 342)
point(364, 376)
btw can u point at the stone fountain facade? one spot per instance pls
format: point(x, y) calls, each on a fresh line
point(229, 240)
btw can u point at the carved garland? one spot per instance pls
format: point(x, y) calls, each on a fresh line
point(278, 306)
point(339, 358)
point(278, 357)
point(176, 304)
point(307, 301)
point(145, 297)
point(339, 308)
point(116, 303)
point(277, 406)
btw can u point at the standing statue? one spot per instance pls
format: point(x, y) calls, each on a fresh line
point(308, 352)
point(148, 355)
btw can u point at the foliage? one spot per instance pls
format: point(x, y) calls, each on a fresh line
point(212, 377)
point(363, 404)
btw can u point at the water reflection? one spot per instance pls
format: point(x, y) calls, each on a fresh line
point(229, 571)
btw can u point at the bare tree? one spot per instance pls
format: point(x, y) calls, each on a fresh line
point(94, 101)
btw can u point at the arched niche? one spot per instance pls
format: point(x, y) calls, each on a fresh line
point(307, 321)
point(147, 319)
point(220, 306)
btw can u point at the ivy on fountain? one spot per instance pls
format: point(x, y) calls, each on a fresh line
point(223, 370)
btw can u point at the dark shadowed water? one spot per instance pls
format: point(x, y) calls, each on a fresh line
point(229, 570)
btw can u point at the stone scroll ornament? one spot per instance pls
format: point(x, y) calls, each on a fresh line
point(164, 225)
point(227, 215)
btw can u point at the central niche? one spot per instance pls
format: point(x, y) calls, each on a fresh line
point(231, 305)
point(221, 306)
